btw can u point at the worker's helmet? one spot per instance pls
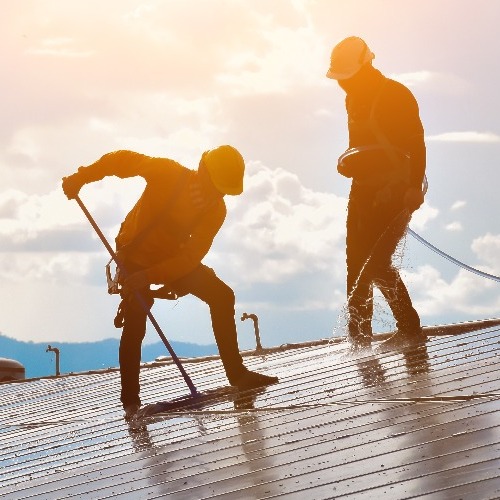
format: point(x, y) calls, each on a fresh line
point(347, 58)
point(226, 167)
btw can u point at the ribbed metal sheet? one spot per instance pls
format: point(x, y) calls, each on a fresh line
point(424, 424)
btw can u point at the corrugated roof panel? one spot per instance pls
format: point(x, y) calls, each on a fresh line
point(420, 424)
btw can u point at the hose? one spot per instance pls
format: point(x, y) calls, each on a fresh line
point(425, 185)
point(452, 259)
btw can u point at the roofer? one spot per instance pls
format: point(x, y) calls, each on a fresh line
point(386, 161)
point(163, 240)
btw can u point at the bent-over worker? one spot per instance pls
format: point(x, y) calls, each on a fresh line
point(163, 241)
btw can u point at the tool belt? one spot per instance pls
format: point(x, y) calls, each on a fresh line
point(115, 288)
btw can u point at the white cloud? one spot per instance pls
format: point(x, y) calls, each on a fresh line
point(45, 268)
point(458, 205)
point(423, 216)
point(466, 136)
point(413, 79)
point(436, 82)
point(487, 248)
point(35, 213)
point(466, 294)
point(272, 65)
point(454, 226)
point(280, 229)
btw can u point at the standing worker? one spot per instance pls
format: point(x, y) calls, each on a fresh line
point(386, 161)
point(162, 241)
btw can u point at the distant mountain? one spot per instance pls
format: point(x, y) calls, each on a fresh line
point(84, 356)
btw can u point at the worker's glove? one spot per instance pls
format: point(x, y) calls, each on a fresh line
point(72, 184)
point(136, 281)
point(367, 167)
point(413, 198)
point(351, 164)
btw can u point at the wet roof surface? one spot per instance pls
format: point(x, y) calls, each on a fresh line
point(424, 424)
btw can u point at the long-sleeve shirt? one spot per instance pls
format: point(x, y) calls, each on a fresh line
point(175, 245)
point(382, 103)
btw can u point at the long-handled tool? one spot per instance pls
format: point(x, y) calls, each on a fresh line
point(139, 297)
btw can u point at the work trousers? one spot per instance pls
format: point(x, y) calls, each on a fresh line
point(202, 283)
point(373, 234)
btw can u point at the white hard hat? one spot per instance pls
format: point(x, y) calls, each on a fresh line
point(347, 58)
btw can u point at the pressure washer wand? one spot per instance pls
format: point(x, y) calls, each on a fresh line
point(139, 297)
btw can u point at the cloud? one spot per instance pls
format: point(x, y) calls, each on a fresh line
point(41, 267)
point(33, 213)
point(435, 82)
point(283, 236)
point(52, 223)
point(454, 226)
point(466, 293)
point(423, 216)
point(467, 136)
point(413, 79)
point(457, 205)
point(487, 248)
point(273, 67)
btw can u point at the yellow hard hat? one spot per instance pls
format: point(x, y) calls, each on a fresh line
point(348, 56)
point(226, 167)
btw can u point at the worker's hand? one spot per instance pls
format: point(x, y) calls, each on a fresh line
point(413, 199)
point(136, 281)
point(71, 185)
point(343, 169)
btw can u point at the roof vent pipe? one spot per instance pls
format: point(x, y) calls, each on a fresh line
point(255, 320)
point(56, 350)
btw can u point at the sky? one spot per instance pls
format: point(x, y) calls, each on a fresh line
point(174, 78)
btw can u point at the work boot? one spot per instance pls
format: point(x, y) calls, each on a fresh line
point(130, 411)
point(403, 339)
point(360, 336)
point(253, 380)
point(360, 345)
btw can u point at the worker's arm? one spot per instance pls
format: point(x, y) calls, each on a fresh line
point(415, 145)
point(122, 164)
point(414, 196)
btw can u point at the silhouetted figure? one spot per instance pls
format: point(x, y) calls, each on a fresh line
point(163, 240)
point(386, 161)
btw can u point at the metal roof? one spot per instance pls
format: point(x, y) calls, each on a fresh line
point(419, 424)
